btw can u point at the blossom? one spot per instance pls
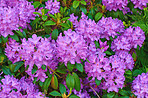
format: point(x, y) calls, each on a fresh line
point(140, 3)
point(71, 47)
point(140, 85)
point(24, 88)
point(131, 38)
point(52, 6)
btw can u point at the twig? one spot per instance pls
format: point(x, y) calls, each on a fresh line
point(94, 91)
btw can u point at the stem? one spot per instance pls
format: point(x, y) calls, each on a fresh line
point(94, 91)
point(54, 72)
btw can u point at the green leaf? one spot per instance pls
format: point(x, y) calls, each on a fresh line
point(70, 81)
point(35, 21)
point(98, 82)
point(0, 40)
point(62, 88)
point(77, 84)
point(70, 66)
point(47, 83)
point(52, 16)
point(2, 57)
point(75, 4)
point(6, 70)
point(49, 23)
point(54, 34)
point(55, 93)
point(37, 13)
point(36, 4)
point(84, 10)
point(65, 25)
point(15, 37)
point(19, 32)
point(98, 16)
point(74, 96)
point(54, 82)
point(12, 67)
point(44, 17)
point(41, 83)
point(43, 67)
point(5, 39)
point(108, 53)
point(83, 2)
point(64, 19)
point(110, 95)
point(79, 66)
point(128, 72)
point(137, 72)
point(18, 65)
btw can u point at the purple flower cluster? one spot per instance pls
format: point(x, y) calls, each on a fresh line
point(14, 13)
point(14, 88)
point(110, 27)
point(140, 86)
point(111, 69)
point(71, 47)
point(35, 50)
point(140, 3)
point(115, 4)
point(92, 31)
point(52, 6)
point(131, 38)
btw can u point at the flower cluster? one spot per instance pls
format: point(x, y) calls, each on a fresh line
point(131, 38)
point(110, 69)
point(140, 3)
point(115, 4)
point(92, 31)
point(71, 47)
point(13, 14)
point(52, 6)
point(140, 86)
point(110, 27)
point(35, 50)
point(14, 88)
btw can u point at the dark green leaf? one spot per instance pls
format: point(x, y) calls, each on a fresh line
point(98, 16)
point(6, 70)
point(110, 95)
point(54, 34)
point(35, 21)
point(47, 83)
point(44, 17)
point(5, 39)
point(83, 2)
point(43, 67)
point(37, 13)
point(15, 37)
point(108, 53)
point(54, 82)
point(79, 66)
point(70, 81)
point(77, 84)
point(74, 96)
point(137, 72)
point(49, 23)
point(64, 19)
point(75, 4)
point(55, 93)
point(70, 66)
point(98, 82)
point(36, 4)
point(62, 89)
point(18, 65)
point(84, 10)
point(20, 33)
point(65, 25)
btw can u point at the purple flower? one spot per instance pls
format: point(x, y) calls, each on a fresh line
point(71, 47)
point(52, 6)
point(140, 86)
point(140, 3)
point(131, 38)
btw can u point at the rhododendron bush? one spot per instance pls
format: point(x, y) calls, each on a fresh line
point(73, 48)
